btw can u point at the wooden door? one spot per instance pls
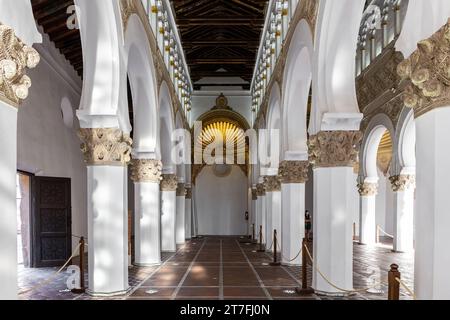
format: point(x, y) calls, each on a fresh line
point(51, 221)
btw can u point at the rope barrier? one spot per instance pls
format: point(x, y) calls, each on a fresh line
point(50, 278)
point(406, 288)
point(384, 232)
point(332, 284)
point(287, 259)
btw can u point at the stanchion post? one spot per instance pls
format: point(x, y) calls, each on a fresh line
point(275, 262)
point(261, 249)
point(304, 290)
point(354, 231)
point(253, 232)
point(394, 285)
point(82, 289)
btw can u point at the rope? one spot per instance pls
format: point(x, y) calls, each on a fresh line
point(382, 231)
point(332, 284)
point(287, 259)
point(50, 278)
point(406, 288)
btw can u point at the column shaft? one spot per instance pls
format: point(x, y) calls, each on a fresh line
point(168, 218)
point(367, 224)
point(147, 224)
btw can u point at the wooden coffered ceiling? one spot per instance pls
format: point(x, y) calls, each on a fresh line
point(52, 16)
point(220, 37)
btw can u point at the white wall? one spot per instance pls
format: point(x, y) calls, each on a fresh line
point(46, 146)
point(221, 202)
point(203, 102)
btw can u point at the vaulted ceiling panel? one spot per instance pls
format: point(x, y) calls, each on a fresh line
point(220, 37)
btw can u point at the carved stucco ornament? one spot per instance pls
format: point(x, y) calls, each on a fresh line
point(169, 182)
point(293, 171)
point(181, 190)
point(15, 57)
point(188, 193)
point(334, 148)
point(367, 189)
point(272, 183)
point(146, 170)
point(260, 190)
point(105, 146)
point(402, 182)
point(254, 194)
point(427, 72)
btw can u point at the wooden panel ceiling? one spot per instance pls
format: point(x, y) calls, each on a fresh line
point(52, 16)
point(220, 37)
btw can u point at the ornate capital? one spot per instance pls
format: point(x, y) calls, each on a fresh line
point(272, 183)
point(15, 57)
point(427, 73)
point(254, 194)
point(105, 146)
point(402, 182)
point(188, 193)
point(334, 148)
point(294, 171)
point(146, 170)
point(260, 190)
point(367, 189)
point(169, 182)
point(181, 190)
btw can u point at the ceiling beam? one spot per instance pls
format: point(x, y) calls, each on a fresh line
point(214, 42)
point(232, 21)
point(222, 61)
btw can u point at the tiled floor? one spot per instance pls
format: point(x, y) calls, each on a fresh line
point(226, 268)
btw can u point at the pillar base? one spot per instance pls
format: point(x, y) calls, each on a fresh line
point(333, 294)
point(147, 264)
point(106, 295)
point(304, 292)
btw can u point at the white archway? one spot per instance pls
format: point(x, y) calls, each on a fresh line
point(167, 128)
point(273, 136)
point(334, 105)
point(142, 78)
point(297, 85)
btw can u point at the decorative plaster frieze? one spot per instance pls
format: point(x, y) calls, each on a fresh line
point(105, 146)
point(402, 182)
point(334, 148)
point(169, 182)
point(272, 183)
point(146, 170)
point(367, 189)
point(293, 171)
point(427, 73)
point(15, 57)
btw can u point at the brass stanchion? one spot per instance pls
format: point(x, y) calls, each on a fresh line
point(305, 289)
point(82, 289)
point(394, 285)
point(275, 262)
point(261, 247)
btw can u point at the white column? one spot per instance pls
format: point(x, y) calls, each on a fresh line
point(294, 175)
point(403, 187)
point(194, 214)
point(168, 212)
point(106, 153)
point(261, 212)
point(188, 213)
point(254, 214)
point(15, 58)
point(367, 213)
point(8, 226)
point(268, 230)
point(273, 197)
point(432, 277)
point(146, 174)
point(181, 215)
point(333, 154)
